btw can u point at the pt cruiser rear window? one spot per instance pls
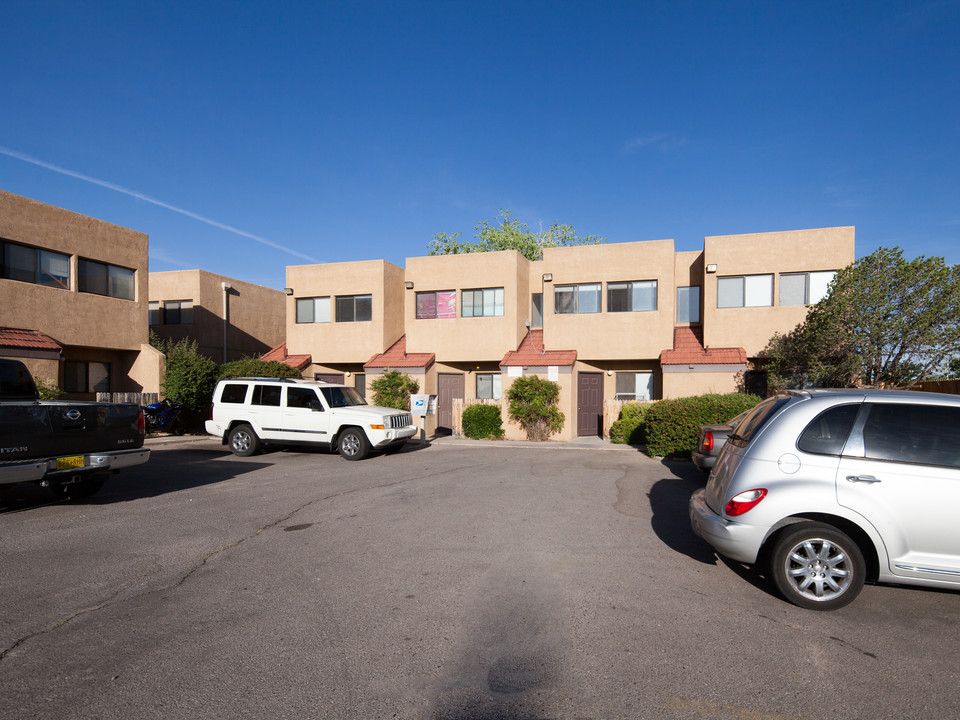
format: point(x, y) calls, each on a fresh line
point(827, 433)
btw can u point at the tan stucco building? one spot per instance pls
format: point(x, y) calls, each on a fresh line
point(615, 321)
point(79, 285)
point(228, 318)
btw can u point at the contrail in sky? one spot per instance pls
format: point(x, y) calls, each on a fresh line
point(146, 198)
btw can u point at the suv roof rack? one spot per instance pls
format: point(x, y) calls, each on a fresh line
point(269, 379)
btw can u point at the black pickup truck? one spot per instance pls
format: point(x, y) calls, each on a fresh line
point(68, 447)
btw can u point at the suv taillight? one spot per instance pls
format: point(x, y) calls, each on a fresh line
point(707, 444)
point(743, 502)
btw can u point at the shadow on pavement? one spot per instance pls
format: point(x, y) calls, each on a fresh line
point(669, 501)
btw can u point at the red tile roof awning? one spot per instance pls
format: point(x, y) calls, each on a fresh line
point(531, 353)
point(688, 349)
point(398, 357)
point(279, 354)
point(27, 340)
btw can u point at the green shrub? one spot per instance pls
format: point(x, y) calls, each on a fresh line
point(630, 428)
point(393, 390)
point(189, 379)
point(255, 367)
point(482, 422)
point(533, 404)
point(48, 389)
point(673, 426)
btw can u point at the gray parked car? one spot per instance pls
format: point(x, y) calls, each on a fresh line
point(711, 441)
point(827, 489)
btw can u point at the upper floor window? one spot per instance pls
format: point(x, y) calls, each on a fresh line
point(354, 308)
point(33, 265)
point(745, 291)
point(178, 312)
point(576, 299)
point(806, 288)
point(688, 304)
point(632, 296)
point(486, 302)
point(103, 279)
point(313, 310)
point(432, 305)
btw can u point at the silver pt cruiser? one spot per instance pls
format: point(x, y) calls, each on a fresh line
point(826, 489)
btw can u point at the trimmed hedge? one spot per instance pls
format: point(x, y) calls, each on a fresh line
point(255, 367)
point(673, 426)
point(482, 422)
point(629, 428)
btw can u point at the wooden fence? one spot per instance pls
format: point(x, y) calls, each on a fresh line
point(948, 387)
point(142, 399)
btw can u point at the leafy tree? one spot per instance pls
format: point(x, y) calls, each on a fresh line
point(255, 367)
point(189, 378)
point(393, 390)
point(533, 404)
point(510, 234)
point(886, 321)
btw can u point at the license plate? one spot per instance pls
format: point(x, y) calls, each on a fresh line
point(74, 461)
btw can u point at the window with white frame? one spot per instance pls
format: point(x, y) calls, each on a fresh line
point(488, 386)
point(178, 312)
point(688, 304)
point(483, 302)
point(100, 278)
point(807, 288)
point(745, 291)
point(433, 305)
point(33, 265)
point(571, 299)
point(354, 308)
point(634, 386)
point(632, 296)
point(313, 310)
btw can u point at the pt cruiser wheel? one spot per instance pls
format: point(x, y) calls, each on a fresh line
point(243, 441)
point(353, 444)
point(817, 567)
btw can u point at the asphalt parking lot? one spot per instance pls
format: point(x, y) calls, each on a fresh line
point(459, 580)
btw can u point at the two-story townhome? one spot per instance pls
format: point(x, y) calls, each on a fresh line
point(615, 321)
point(73, 299)
point(227, 318)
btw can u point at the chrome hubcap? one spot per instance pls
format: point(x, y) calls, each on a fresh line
point(818, 569)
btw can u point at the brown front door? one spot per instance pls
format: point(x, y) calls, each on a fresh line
point(589, 404)
point(449, 386)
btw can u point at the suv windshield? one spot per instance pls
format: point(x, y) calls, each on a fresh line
point(338, 397)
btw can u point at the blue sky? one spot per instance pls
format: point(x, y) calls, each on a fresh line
point(247, 136)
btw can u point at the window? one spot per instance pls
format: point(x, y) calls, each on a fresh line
point(486, 302)
point(632, 296)
point(33, 265)
point(827, 433)
point(103, 279)
point(313, 310)
point(688, 304)
point(233, 394)
point(576, 299)
point(432, 305)
point(488, 386)
point(178, 312)
point(268, 395)
point(536, 310)
point(925, 434)
point(338, 397)
point(154, 315)
point(86, 377)
point(634, 386)
point(745, 291)
point(355, 308)
point(298, 397)
point(804, 288)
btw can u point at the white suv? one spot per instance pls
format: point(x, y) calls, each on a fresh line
point(249, 412)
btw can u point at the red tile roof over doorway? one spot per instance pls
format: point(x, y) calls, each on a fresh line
point(398, 357)
point(688, 349)
point(30, 339)
point(279, 354)
point(532, 353)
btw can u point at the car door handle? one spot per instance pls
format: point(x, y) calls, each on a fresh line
point(869, 479)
